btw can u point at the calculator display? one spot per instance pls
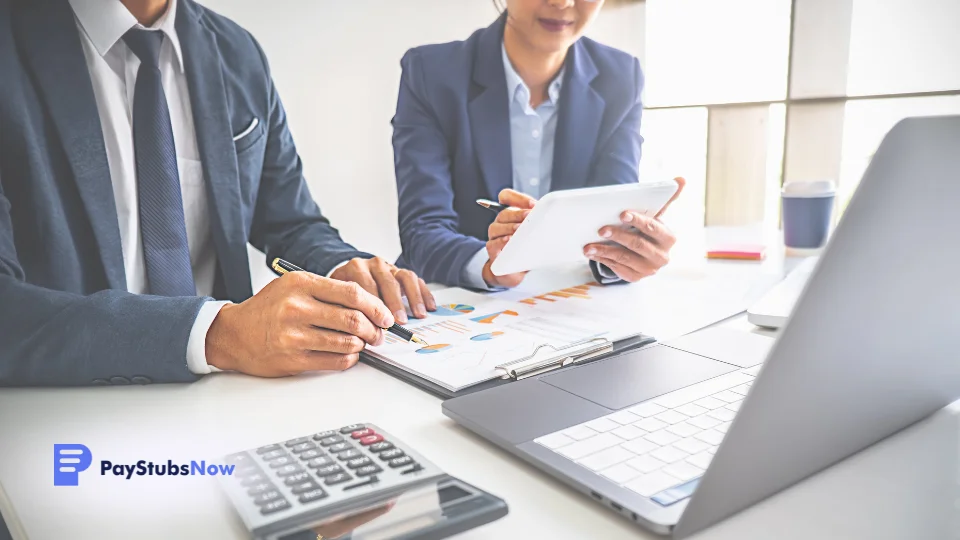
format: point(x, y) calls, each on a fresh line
point(420, 509)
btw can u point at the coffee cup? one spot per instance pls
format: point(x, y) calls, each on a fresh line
point(807, 214)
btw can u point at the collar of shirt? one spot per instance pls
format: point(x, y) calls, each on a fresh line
point(518, 90)
point(106, 21)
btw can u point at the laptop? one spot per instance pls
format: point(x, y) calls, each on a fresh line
point(773, 309)
point(680, 435)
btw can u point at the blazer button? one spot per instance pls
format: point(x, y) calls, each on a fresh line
point(119, 380)
point(100, 382)
point(140, 380)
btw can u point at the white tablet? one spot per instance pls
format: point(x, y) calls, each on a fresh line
point(563, 222)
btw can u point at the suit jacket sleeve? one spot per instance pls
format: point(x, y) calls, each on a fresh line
point(53, 338)
point(432, 244)
point(619, 161)
point(287, 222)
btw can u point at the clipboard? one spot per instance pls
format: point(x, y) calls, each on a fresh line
point(522, 368)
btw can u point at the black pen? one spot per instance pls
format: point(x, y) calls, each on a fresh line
point(281, 267)
point(494, 207)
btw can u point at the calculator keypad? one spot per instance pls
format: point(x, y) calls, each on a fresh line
point(309, 469)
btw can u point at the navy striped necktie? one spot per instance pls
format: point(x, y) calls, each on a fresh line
point(162, 225)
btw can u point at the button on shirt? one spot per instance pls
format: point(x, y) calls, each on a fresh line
point(532, 136)
point(113, 72)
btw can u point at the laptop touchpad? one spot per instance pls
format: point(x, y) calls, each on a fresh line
point(636, 376)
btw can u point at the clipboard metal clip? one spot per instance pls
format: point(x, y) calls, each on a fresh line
point(579, 351)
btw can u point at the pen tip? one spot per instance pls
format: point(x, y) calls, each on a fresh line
point(420, 341)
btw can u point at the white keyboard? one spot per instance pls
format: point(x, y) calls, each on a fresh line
point(661, 443)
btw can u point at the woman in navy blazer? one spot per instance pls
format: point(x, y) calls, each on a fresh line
point(520, 108)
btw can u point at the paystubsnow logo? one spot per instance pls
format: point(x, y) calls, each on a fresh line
point(69, 460)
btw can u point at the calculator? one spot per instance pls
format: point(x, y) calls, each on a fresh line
point(357, 476)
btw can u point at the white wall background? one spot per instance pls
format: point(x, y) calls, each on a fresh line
point(337, 68)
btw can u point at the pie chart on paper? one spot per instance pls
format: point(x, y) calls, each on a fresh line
point(433, 349)
point(486, 337)
point(450, 310)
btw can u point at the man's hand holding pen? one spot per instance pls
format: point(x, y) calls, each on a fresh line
point(298, 322)
point(305, 322)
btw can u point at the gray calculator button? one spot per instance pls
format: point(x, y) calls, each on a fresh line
point(294, 442)
point(349, 454)
point(282, 461)
point(370, 480)
point(240, 458)
point(324, 435)
point(297, 478)
point(336, 479)
point(262, 487)
point(367, 470)
point(275, 506)
point(303, 447)
point(339, 447)
point(329, 470)
point(268, 448)
point(310, 454)
point(320, 462)
point(359, 462)
point(376, 448)
point(267, 496)
point(314, 495)
point(304, 487)
point(394, 453)
point(273, 454)
point(400, 462)
point(251, 480)
point(351, 428)
point(333, 439)
point(289, 470)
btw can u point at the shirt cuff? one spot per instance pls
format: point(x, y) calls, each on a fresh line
point(337, 267)
point(472, 273)
point(197, 344)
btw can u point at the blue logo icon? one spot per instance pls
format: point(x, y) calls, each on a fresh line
point(69, 460)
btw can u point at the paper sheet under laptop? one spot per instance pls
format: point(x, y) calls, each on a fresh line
point(471, 334)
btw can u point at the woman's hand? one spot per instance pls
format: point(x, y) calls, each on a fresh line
point(500, 232)
point(639, 247)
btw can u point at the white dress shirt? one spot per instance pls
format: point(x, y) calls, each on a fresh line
point(532, 136)
point(113, 72)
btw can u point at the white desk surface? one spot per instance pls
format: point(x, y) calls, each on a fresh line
point(904, 487)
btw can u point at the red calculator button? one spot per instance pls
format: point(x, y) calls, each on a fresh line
point(371, 439)
point(362, 433)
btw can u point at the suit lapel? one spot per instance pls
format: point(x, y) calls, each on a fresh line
point(211, 119)
point(489, 111)
point(54, 54)
point(578, 124)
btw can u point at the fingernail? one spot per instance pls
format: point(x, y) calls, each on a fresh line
point(421, 310)
point(606, 233)
point(626, 217)
point(401, 316)
point(591, 251)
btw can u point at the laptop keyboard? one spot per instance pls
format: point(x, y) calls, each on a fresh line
point(661, 447)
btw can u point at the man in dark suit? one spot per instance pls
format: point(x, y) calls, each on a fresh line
point(142, 146)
